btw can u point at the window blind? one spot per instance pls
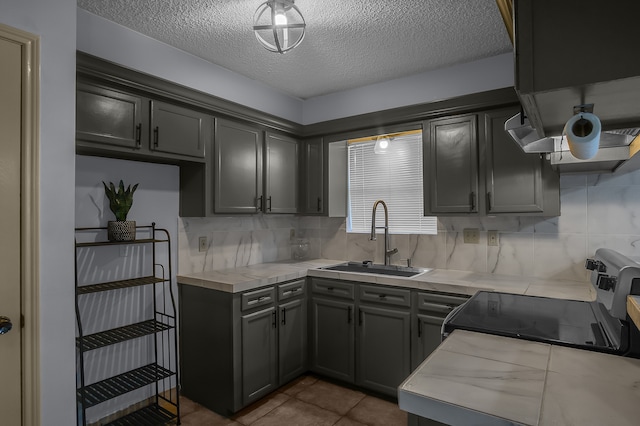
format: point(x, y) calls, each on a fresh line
point(394, 177)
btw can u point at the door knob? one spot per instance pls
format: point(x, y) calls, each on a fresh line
point(5, 325)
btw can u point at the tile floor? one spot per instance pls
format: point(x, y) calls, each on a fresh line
point(307, 401)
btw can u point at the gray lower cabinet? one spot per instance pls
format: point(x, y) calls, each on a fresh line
point(360, 334)
point(383, 348)
point(237, 347)
point(259, 354)
point(429, 311)
point(473, 167)
point(332, 334)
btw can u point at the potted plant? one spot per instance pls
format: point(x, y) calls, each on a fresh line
point(120, 201)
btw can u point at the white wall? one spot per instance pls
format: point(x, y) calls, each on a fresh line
point(55, 23)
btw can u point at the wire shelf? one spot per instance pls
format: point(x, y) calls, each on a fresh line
point(121, 334)
point(112, 387)
point(115, 285)
point(151, 415)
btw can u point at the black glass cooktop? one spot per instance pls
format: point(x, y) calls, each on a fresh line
point(558, 321)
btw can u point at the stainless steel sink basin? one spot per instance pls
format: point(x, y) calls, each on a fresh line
point(370, 268)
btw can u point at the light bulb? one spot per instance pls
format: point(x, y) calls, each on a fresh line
point(280, 19)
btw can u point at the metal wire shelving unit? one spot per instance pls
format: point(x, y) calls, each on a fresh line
point(160, 374)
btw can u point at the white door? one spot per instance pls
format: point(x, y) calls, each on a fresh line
point(10, 245)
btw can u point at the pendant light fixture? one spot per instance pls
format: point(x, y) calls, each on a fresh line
point(278, 25)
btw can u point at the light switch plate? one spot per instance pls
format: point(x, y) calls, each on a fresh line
point(202, 244)
point(492, 238)
point(471, 235)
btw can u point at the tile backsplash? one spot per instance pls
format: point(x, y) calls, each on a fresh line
point(596, 211)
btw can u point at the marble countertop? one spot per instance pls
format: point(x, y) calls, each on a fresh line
point(236, 280)
point(474, 378)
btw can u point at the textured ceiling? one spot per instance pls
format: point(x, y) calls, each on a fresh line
point(348, 43)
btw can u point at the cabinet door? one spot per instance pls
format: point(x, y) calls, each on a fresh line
point(259, 352)
point(428, 336)
point(108, 117)
point(312, 176)
point(333, 339)
point(292, 340)
point(281, 186)
point(178, 130)
point(451, 165)
point(383, 349)
point(238, 168)
point(514, 178)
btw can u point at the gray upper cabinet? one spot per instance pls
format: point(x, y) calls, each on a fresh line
point(237, 168)
point(281, 174)
point(451, 165)
point(573, 52)
point(254, 172)
point(312, 177)
point(473, 167)
point(178, 130)
point(514, 179)
point(109, 117)
point(120, 124)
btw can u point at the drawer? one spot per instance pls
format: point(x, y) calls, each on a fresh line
point(333, 288)
point(256, 298)
point(385, 295)
point(440, 303)
point(290, 290)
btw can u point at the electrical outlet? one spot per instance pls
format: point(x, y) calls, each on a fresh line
point(492, 238)
point(471, 235)
point(292, 233)
point(202, 244)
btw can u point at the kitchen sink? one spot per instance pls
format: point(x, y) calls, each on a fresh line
point(370, 268)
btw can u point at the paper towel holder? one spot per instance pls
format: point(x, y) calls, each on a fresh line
point(583, 132)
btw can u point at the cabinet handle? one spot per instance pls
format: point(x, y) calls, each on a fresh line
point(382, 296)
point(138, 134)
point(419, 328)
point(259, 203)
point(156, 130)
point(473, 201)
point(269, 203)
point(359, 316)
point(489, 201)
point(329, 288)
point(319, 204)
point(349, 312)
point(273, 316)
point(284, 316)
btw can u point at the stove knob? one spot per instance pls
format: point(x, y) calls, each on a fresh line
point(595, 265)
point(607, 283)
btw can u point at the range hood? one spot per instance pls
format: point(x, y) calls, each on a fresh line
point(616, 147)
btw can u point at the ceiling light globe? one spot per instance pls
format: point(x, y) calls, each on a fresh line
point(279, 25)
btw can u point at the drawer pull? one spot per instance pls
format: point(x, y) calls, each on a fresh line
point(382, 296)
point(330, 288)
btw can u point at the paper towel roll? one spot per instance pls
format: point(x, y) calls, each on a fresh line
point(583, 135)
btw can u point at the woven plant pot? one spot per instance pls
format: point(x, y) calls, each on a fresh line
point(121, 230)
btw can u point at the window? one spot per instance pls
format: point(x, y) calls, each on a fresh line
point(395, 177)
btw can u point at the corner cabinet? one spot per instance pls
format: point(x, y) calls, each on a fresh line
point(312, 191)
point(238, 347)
point(473, 167)
point(255, 171)
point(126, 329)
